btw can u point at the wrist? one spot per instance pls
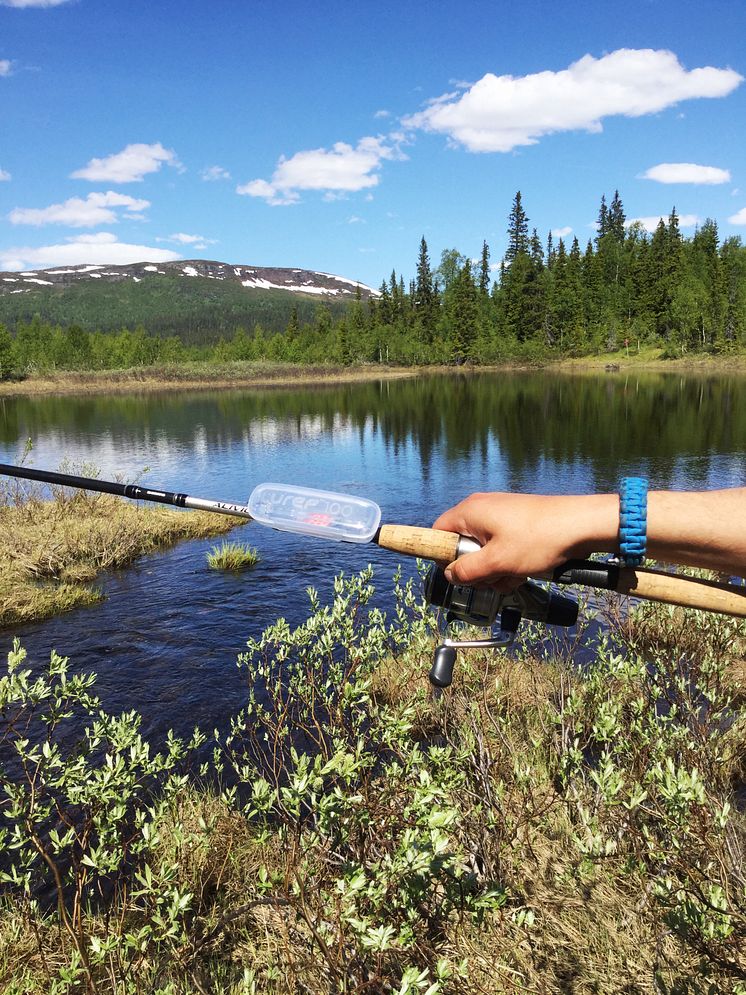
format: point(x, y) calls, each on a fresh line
point(594, 526)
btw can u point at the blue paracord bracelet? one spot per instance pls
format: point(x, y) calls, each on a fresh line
point(633, 520)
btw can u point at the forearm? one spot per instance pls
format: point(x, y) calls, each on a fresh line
point(699, 528)
point(528, 534)
point(696, 528)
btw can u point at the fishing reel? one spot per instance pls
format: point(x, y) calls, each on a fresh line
point(461, 606)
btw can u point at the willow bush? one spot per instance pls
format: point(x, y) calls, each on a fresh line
point(537, 827)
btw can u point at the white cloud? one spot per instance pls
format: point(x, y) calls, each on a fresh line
point(739, 218)
point(561, 232)
point(32, 3)
point(5, 67)
point(4, 175)
point(212, 173)
point(651, 222)
point(96, 209)
point(195, 241)
point(183, 239)
point(686, 172)
point(128, 166)
point(501, 113)
point(337, 171)
point(102, 248)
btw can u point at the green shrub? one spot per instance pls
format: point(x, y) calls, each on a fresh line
point(534, 828)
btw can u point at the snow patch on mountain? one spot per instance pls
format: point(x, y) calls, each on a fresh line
point(267, 278)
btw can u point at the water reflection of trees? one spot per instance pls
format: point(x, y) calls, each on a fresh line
point(615, 419)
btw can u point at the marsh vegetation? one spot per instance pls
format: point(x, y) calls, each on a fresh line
point(536, 828)
point(52, 551)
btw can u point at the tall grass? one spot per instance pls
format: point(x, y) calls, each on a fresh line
point(534, 829)
point(232, 556)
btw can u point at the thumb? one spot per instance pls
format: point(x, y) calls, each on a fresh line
point(471, 567)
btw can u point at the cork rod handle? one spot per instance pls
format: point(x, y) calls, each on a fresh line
point(430, 544)
point(689, 592)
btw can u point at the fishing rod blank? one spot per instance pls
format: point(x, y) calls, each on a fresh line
point(132, 491)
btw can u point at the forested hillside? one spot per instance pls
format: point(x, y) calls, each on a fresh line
point(546, 299)
point(199, 305)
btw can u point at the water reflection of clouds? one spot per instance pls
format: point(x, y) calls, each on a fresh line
point(306, 428)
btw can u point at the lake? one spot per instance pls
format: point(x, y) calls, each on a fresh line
point(165, 640)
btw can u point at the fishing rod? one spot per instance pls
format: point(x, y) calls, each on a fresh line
point(349, 518)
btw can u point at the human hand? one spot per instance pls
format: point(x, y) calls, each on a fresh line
point(527, 534)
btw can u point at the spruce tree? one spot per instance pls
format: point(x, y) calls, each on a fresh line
point(550, 250)
point(616, 218)
point(462, 315)
point(385, 310)
point(733, 283)
point(602, 226)
point(423, 295)
point(517, 230)
point(484, 271)
point(6, 354)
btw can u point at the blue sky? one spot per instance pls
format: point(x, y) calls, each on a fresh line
point(333, 135)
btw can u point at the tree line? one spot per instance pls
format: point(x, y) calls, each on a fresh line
point(545, 299)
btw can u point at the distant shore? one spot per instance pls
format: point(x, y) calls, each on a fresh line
point(226, 376)
point(200, 376)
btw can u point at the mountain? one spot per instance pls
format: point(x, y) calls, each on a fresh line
point(199, 300)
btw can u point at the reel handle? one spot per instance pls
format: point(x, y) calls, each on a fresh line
point(441, 672)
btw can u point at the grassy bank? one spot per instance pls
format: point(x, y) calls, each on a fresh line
point(261, 375)
point(535, 829)
point(653, 359)
point(52, 551)
point(199, 376)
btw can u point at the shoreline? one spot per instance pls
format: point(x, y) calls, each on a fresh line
point(152, 381)
point(266, 376)
point(52, 552)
